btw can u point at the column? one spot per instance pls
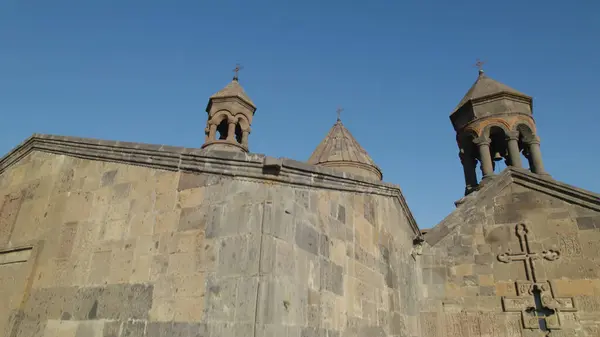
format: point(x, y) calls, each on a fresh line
point(212, 133)
point(485, 157)
point(537, 166)
point(207, 134)
point(231, 130)
point(513, 149)
point(245, 137)
point(468, 163)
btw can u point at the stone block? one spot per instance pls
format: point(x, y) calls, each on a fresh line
point(332, 278)
point(588, 222)
point(133, 329)
point(307, 238)
point(111, 329)
point(279, 221)
point(108, 178)
point(195, 218)
point(239, 219)
point(238, 255)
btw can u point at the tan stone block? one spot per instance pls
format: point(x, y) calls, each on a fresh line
point(486, 280)
point(163, 310)
point(206, 256)
point(368, 276)
point(353, 304)
point(165, 202)
point(141, 269)
point(146, 245)
point(163, 287)
point(191, 285)
point(121, 265)
point(78, 207)
point(188, 241)
point(55, 328)
point(166, 221)
point(114, 230)
point(118, 211)
point(182, 263)
point(454, 290)
point(191, 197)
point(340, 318)
point(506, 289)
point(337, 252)
point(141, 224)
point(461, 270)
point(188, 309)
point(564, 287)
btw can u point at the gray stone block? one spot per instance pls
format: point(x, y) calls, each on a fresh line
point(238, 255)
point(111, 329)
point(108, 178)
point(307, 238)
point(324, 244)
point(194, 218)
point(133, 329)
point(332, 277)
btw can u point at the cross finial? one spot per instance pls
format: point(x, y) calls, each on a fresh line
point(479, 64)
point(236, 70)
point(339, 112)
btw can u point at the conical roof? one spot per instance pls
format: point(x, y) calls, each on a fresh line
point(233, 89)
point(486, 86)
point(339, 149)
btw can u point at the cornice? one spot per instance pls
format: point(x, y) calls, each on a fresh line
point(234, 164)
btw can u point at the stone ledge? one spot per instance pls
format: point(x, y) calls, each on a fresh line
point(234, 164)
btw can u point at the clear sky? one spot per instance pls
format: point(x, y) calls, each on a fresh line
point(143, 70)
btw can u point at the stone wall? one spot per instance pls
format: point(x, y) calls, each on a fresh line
point(95, 248)
point(476, 282)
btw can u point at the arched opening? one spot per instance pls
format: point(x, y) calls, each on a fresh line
point(222, 130)
point(238, 133)
point(498, 148)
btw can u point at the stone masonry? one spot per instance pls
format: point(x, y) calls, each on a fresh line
point(95, 244)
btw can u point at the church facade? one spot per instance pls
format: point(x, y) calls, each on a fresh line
point(114, 239)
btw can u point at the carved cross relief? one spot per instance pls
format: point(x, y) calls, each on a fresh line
point(535, 299)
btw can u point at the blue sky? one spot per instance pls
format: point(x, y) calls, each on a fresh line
point(143, 71)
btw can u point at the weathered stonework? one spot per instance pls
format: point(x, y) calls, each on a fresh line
point(119, 239)
point(520, 235)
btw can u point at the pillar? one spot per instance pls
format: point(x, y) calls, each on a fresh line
point(245, 137)
point(514, 154)
point(487, 169)
point(231, 130)
point(468, 162)
point(212, 133)
point(537, 165)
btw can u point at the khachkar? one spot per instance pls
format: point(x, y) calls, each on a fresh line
point(535, 299)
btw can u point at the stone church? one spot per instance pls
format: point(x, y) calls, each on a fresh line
point(116, 239)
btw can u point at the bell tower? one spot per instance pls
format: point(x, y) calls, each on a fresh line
point(494, 122)
point(230, 113)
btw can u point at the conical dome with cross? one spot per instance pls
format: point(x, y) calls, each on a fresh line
point(340, 150)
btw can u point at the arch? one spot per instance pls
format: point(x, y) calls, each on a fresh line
point(493, 126)
point(218, 117)
point(526, 132)
point(242, 121)
point(498, 136)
